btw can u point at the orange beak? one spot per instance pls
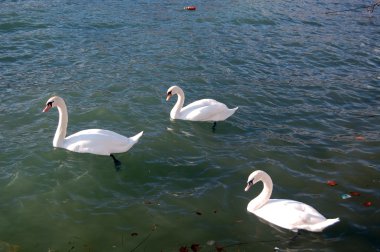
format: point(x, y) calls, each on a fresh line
point(247, 187)
point(47, 108)
point(168, 97)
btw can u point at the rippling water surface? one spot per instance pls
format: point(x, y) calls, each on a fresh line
point(307, 85)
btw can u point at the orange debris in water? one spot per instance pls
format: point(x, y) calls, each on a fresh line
point(332, 183)
point(354, 193)
point(190, 8)
point(359, 138)
point(367, 203)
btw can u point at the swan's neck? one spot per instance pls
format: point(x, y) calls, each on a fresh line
point(265, 194)
point(178, 106)
point(60, 133)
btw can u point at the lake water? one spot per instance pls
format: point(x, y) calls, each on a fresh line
point(307, 84)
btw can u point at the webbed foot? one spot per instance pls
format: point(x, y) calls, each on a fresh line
point(116, 162)
point(213, 127)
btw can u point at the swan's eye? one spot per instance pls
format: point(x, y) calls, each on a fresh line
point(50, 104)
point(170, 92)
point(250, 182)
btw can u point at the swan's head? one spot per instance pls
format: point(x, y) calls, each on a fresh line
point(172, 91)
point(53, 102)
point(255, 177)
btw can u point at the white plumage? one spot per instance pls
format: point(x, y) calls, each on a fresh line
point(201, 110)
point(95, 141)
point(284, 213)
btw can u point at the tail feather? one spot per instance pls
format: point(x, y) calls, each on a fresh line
point(318, 227)
point(136, 137)
point(232, 111)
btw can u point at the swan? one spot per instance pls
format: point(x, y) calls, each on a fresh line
point(288, 214)
point(95, 141)
point(201, 110)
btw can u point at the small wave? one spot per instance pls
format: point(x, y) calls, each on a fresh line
point(252, 21)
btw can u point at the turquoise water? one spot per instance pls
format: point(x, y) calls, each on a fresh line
point(307, 85)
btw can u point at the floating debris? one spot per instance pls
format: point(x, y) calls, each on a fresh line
point(183, 249)
point(332, 183)
point(345, 196)
point(371, 8)
point(191, 8)
point(355, 194)
point(134, 234)
point(5, 246)
point(198, 213)
point(360, 138)
point(367, 204)
point(210, 242)
point(148, 202)
point(195, 247)
point(219, 248)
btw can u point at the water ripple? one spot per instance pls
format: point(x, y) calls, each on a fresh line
point(308, 97)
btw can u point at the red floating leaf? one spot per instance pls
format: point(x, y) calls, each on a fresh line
point(359, 138)
point(367, 204)
point(195, 247)
point(355, 193)
point(332, 183)
point(192, 8)
point(183, 249)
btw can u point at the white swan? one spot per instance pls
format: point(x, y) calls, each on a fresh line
point(95, 141)
point(285, 213)
point(201, 110)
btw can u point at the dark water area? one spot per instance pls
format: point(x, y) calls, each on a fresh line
point(304, 74)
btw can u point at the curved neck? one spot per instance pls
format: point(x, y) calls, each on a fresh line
point(60, 133)
point(178, 106)
point(265, 194)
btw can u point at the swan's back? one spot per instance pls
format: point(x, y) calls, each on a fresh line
point(99, 141)
point(206, 110)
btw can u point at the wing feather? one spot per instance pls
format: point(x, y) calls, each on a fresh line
point(96, 141)
point(203, 110)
